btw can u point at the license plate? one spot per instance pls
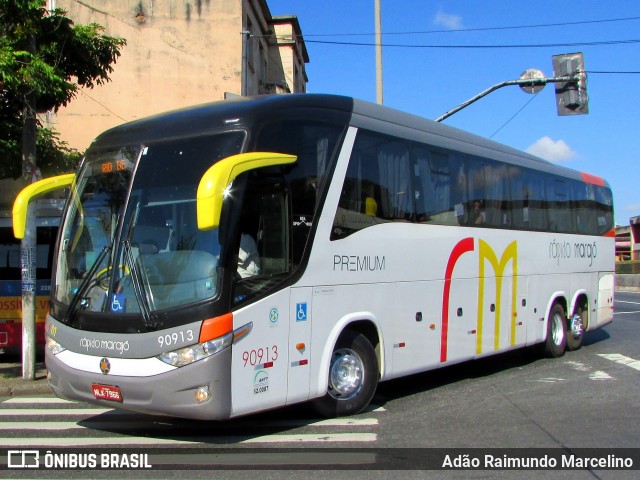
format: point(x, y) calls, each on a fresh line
point(107, 392)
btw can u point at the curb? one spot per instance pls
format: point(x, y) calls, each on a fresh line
point(30, 388)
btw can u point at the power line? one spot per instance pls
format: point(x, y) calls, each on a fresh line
point(479, 29)
point(102, 105)
point(513, 116)
point(534, 45)
point(612, 73)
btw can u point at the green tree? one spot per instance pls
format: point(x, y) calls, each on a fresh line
point(44, 59)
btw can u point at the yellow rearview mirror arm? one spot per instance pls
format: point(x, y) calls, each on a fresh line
point(214, 183)
point(21, 203)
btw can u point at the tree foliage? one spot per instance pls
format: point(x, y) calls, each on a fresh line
point(54, 155)
point(66, 57)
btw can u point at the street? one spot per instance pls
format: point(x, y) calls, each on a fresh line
point(587, 399)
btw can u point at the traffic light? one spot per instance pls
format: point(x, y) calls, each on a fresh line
point(571, 96)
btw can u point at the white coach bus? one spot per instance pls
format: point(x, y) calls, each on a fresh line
point(253, 253)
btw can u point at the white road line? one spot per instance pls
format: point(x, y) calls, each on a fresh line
point(333, 422)
point(144, 441)
point(150, 425)
point(12, 426)
point(626, 313)
point(624, 301)
point(600, 375)
point(38, 400)
point(5, 412)
point(85, 441)
point(548, 380)
point(306, 438)
point(618, 358)
point(375, 408)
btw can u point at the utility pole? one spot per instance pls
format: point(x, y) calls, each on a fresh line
point(244, 81)
point(28, 243)
point(378, 21)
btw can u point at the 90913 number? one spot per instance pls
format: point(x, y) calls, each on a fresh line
point(260, 355)
point(172, 339)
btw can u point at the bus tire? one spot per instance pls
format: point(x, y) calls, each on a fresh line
point(556, 341)
point(576, 326)
point(353, 377)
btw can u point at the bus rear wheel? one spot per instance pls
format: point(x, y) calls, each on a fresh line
point(576, 327)
point(556, 342)
point(353, 377)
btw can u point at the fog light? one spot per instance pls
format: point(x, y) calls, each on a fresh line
point(202, 394)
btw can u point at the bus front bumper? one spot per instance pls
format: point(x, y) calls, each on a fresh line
point(171, 393)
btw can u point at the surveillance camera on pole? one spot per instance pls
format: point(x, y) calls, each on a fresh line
point(571, 96)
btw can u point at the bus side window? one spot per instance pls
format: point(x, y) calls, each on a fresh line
point(315, 144)
point(584, 201)
point(528, 205)
point(498, 209)
point(559, 202)
point(604, 209)
point(434, 188)
point(377, 186)
point(477, 195)
point(10, 267)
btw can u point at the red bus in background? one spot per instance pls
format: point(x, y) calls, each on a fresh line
point(47, 221)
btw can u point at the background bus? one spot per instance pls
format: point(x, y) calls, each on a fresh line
point(48, 212)
point(369, 263)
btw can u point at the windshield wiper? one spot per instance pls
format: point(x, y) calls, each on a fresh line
point(86, 283)
point(137, 283)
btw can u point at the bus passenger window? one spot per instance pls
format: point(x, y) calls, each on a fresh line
point(377, 187)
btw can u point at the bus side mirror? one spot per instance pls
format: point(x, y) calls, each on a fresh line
point(21, 203)
point(214, 184)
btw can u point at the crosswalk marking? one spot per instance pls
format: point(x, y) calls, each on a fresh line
point(622, 359)
point(62, 423)
point(49, 413)
point(149, 425)
point(50, 442)
point(38, 400)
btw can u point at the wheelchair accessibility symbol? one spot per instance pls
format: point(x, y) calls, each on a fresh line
point(117, 303)
point(301, 312)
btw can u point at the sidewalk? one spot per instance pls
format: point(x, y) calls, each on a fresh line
point(12, 383)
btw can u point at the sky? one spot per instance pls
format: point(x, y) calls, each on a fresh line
point(438, 54)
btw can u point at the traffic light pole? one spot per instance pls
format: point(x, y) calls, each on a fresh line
point(540, 82)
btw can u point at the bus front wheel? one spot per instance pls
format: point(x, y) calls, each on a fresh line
point(353, 377)
point(556, 342)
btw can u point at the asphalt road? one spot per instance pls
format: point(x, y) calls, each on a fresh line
point(588, 399)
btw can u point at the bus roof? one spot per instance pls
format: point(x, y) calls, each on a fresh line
point(241, 111)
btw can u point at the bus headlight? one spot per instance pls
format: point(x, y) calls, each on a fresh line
point(193, 353)
point(54, 347)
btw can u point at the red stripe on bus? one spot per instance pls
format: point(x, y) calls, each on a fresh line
point(593, 179)
point(463, 246)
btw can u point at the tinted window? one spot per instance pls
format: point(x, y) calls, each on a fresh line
point(377, 187)
point(390, 179)
point(315, 145)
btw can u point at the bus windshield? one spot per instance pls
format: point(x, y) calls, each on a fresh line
point(130, 242)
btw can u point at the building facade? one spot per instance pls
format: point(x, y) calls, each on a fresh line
point(181, 53)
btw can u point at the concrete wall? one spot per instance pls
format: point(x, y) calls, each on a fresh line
point(627, 282)
point(178, 53)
